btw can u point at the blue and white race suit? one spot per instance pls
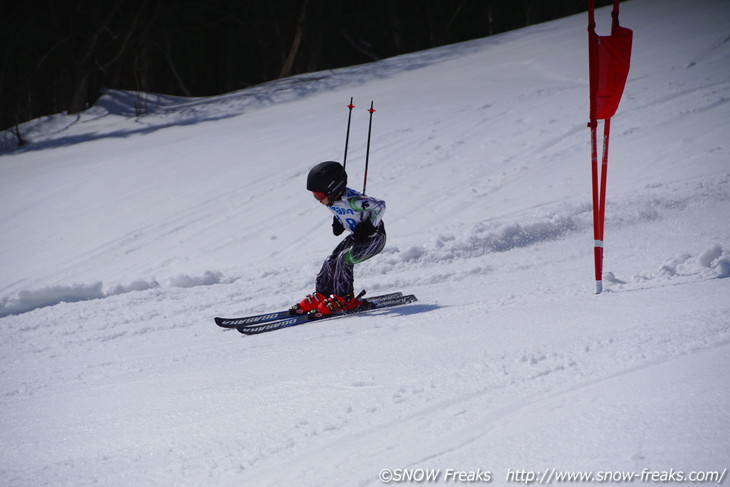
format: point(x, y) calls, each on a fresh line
point(337, 273)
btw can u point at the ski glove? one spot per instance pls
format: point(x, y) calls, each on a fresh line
point(363, 230)
point(337, 227)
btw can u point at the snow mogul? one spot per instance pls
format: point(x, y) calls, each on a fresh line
point(356, 213)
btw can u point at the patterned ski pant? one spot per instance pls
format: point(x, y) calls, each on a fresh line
point(337, 273)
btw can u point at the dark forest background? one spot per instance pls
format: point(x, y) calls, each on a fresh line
point(56, 55)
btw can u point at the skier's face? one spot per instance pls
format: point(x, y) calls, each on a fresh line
point(321, 197)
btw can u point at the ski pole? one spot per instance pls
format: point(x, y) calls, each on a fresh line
point(367, 153)
point(347, 137)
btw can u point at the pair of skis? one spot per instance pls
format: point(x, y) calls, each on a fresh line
point(256, 324)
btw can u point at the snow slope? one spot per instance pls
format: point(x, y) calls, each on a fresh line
point(123, 235)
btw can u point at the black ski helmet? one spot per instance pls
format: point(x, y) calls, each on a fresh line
point(328, 177)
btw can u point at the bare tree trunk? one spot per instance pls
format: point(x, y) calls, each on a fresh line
point(287, 69)
point(447, 30)
point(16, 131)
point(166, 52)
point(395, 26)
point(360, 46)
point(529, 6)
point(80, 96)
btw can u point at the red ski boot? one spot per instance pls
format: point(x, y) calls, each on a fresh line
point(307, 304)
point(335, 304)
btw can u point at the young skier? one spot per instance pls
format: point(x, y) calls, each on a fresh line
point(358, 214)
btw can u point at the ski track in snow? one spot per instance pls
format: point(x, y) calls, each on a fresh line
point(124, 235)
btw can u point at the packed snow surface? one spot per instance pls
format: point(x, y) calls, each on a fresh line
point(124, 234)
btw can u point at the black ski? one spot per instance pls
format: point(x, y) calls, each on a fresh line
point(280, 315)
point(255, 329)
